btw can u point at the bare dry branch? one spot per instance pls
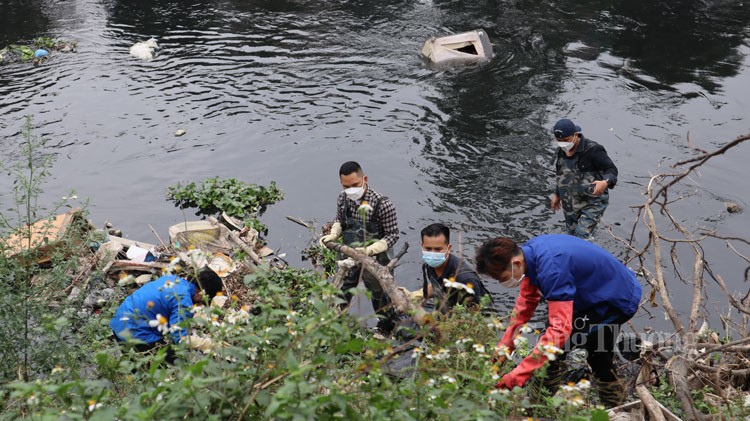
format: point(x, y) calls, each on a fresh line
point(697, 288)
point(699, 160)
point(723, 347)
point(402, 303)
point(661, 285)
point(648, 400)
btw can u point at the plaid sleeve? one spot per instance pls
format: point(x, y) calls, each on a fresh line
point(340, 217)
point(387, 222)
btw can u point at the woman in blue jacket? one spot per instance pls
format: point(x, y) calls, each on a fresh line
point(589, 293)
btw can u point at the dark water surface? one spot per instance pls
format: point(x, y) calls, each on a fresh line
point(288, 90)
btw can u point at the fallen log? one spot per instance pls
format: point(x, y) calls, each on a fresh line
point(400, 301)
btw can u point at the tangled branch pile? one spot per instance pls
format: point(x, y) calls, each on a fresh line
point(694, 358)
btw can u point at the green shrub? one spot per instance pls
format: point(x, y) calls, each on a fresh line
point(237, 198)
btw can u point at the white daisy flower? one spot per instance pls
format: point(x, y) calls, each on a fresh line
point(93, 405)
point(364, 207)
point(502, 351)
point(550, 351)
point(160, 323)
point(448, 379)
point(520, 341)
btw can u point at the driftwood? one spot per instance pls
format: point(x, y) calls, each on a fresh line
point(649, 403)
point(688, 366)
point(237, 241)
point(400, 301)
point(136, 266)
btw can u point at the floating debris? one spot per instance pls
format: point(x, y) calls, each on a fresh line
point(39, 49)
point(144, 50)
point(733, 207)
point(466, 47)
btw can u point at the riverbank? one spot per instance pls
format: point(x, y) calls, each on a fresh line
point(286, 350)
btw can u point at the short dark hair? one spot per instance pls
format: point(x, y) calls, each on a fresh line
point(350, 167)
point(208, 281)
point(495, 254)
point(434, 230)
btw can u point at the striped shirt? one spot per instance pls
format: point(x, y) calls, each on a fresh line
point(386, 216)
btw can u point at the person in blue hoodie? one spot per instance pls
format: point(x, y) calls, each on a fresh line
point(152, 314)
point(589, 295)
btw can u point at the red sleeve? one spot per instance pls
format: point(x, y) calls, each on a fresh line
point(558, 332)
point(526, 303)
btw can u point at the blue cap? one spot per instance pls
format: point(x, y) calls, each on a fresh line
point(565, 128)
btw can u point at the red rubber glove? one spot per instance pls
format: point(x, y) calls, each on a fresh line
point(528, 299)
point(558, 332)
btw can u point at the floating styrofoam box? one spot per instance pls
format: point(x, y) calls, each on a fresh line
point(468, 46)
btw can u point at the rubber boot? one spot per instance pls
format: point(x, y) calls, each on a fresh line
point(612, 393)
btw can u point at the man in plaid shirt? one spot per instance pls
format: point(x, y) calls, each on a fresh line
point(366, 220)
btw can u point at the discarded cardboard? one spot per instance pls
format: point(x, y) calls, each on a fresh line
point(468, 46)
point(45, 236)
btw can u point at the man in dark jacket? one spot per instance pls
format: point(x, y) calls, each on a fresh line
point(447, 278)
point(585, 173)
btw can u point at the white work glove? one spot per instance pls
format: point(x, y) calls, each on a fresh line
point(374, 248)
point(333, 236)
point(199, 343)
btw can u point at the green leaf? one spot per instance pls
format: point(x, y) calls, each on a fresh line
point(599, 415)
point(355, 345)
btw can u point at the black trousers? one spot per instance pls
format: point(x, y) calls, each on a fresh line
point(598, 336)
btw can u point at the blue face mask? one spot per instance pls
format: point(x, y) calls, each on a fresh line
point(433, 258)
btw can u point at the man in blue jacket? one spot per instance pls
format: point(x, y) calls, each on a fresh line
point(156, 309)
point(585, 173)
point(589, 293)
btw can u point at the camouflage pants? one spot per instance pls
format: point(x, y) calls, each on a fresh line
point(583, 215)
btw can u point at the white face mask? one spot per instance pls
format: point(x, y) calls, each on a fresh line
point(513, 282)
point(566, 146)
point(355, 193)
